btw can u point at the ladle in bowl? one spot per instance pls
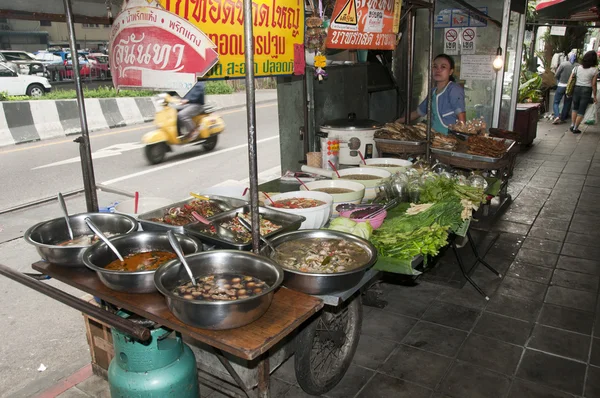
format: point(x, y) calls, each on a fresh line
point(63, 206)
point(177, 247)
point(224, 232)
point(101, 235)
point(247, 225)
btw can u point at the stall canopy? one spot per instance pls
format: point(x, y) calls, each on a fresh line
point(571, 10)
point(84, 11)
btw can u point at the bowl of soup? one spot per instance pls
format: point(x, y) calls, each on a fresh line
point(316, 207)
point(371, 178)
point(392, 165)
point(342, 191)
point(143, 253)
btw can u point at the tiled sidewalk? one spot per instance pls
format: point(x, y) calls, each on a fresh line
point(538, 336)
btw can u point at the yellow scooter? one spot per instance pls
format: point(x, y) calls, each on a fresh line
point(159, 141)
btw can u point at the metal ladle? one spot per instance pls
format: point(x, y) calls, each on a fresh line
point(224, 232)
point(101, 235)
point(177, 247)
point(247, 225)
point(63, 206)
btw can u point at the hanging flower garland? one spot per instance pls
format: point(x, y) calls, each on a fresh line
point(320, 63)
point(315, 39)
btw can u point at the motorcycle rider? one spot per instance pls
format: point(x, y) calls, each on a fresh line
point(191, 105)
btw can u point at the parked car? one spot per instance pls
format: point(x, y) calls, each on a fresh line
point(99, 65)
point(84, 65)
point(27, 63)
point(11, 65)
point(15, 84)
point(55, 66)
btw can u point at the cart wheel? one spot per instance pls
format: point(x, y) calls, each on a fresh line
point(326, 347)
point(155, 153)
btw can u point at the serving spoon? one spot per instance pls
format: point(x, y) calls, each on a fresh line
point(101, 235)
point(177, 247)
point(221, 231)
point(63, 206)
point(247, 225)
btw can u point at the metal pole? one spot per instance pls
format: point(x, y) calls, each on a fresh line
point(85, 152)
point(516, 72)
point(410, 41)
point(500, 73)
point(430, 77)
point(251, 118)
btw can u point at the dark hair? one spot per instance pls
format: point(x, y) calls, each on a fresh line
point(450, 61)
point(590, 59)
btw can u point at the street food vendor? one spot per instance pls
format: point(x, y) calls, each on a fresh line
point(448, 97)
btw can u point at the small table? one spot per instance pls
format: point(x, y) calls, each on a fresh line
point(288, 310)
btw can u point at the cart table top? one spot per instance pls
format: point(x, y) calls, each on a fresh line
point(289, 309)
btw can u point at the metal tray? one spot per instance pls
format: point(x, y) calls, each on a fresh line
point(509, 144)
point(289, 222)
point(388, 141)
point(153, 226)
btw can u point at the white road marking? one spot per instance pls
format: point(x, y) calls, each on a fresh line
point(168, 166)
point(109, 151)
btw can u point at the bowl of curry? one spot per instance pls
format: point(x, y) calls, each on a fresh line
point(143, 253)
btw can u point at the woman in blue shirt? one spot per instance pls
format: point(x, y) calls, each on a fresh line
point(448, 97)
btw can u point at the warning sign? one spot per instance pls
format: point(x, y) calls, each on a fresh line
point(451, 41)
point(468, 37)
point(348, 15)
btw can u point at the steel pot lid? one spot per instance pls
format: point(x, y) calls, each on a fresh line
point(351, 123)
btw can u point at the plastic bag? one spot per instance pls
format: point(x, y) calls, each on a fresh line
point(590, 114)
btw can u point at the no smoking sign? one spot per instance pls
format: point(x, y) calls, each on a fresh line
point(451, 43)
point(468, 38)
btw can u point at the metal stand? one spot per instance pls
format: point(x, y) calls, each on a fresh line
point(478, 260)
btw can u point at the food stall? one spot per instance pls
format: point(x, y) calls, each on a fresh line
point(289, 312)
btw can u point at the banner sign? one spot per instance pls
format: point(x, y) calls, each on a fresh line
point(153, 48)
point(278, 27)
point(364, 25)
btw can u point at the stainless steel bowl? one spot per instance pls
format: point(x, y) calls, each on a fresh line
point(99, 255)
point(45, 235)
point(322, 284)
point(219, 315)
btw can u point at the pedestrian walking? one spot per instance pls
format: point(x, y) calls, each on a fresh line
point(563, 73)
point(586, 77)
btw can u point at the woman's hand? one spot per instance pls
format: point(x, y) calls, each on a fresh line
point(595, 100)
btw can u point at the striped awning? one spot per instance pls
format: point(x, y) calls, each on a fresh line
point(572, 10)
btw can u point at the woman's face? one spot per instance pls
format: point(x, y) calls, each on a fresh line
point(441, 70)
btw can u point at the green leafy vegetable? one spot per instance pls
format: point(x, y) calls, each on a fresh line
point(343, 224)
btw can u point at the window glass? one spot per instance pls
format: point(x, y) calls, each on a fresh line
point(5, 72)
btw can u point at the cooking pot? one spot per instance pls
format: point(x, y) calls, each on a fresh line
point(354, 135)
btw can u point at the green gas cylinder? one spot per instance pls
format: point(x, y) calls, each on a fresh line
point(162, 367)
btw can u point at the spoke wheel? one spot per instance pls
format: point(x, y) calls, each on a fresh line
point(326, 347)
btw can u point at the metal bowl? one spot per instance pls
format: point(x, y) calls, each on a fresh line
point(319, 283)
point(45, 235)
point(219, 315)
point(99, 255)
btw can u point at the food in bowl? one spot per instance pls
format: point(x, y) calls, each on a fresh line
point(241, 234)
point(383, 165)
point(333, 190)
point(297, 203)
point(84, 240)
point(183, 215)
point(221, 287)
point(320, 255)
point(361, 177)
point(146, 261)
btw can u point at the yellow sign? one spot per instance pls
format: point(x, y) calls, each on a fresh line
point(348, 14)
point(278, 27)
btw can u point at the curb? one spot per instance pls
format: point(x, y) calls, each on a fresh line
point(29, 121)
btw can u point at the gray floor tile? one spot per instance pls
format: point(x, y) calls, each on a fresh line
point(537, 257)
point(519, 217)
point(491, 354)
point(542, 182)
point(386, 325)
point(592, 384)
point(591, 190)
point(286, 371)
point(551, 223)
point(595, 356)
point(579, 265)
point(452, 315)
point(294, 392)
point(527, 389)
point(95, 386)
point(577, 299)
point(353, 381)
point(73, 392)
point(543, 245)
point(567, 318)
point(553, 371)
point(550, 234)
point(559, 214)
point(515, 307)
point(587, 227)
point(416, 366)
point(523, 288)
point(592, 181)
point(575, 280)
point(277, 388)
point(560, 342)
point(511, 227)
point(382, 386)
point(582, 239)
point(411, 301)
point(465, 380)
point(468, 296)
point(587, 252)
point(372, 352)
point(530, 272)
point(503, 328)
point(435, 338)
